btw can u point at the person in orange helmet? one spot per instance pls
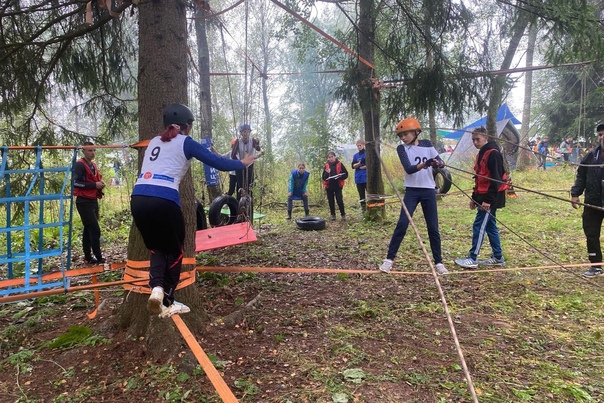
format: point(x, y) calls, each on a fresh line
point(418, 158)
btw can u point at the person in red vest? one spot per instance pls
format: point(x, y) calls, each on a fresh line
point(334, 177)
point(490, 183)
point(88, 189)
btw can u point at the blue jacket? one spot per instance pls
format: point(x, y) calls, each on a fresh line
point(297, 183)
point(360, 175)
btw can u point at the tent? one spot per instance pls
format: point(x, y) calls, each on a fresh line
point(465, 151)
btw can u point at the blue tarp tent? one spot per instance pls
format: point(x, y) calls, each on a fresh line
point(465, 151)
point(503, 113)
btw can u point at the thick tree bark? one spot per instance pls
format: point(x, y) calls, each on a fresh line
point(205, 94)
point(369, 102)
point(522, 162)
point(162, 79)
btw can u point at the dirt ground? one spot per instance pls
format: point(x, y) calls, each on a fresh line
point(314, 337)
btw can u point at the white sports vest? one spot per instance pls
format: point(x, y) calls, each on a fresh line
point(164, 163)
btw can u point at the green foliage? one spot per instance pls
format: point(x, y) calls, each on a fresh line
point(76, 336)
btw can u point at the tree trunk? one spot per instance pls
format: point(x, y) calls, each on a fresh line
point(369, 102)
point(205, 93)
point(162, 79)
point(498, 82)
point(523, 160)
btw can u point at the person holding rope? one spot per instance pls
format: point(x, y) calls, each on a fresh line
point(155, 203)
point(490, 183)
point(360, 173)
point(418, 158)
point(334, 177)
point(88, 189)
point(589, 180)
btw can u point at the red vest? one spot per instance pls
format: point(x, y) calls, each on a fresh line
point(89, 193)
point(341, 181)
point(483, 174)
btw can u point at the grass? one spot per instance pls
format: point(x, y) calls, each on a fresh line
point(527, 335)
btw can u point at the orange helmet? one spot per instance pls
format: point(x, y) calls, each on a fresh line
point(408, 124)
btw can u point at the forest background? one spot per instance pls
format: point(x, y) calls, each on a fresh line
point(67, 79)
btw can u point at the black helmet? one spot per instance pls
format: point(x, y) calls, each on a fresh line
point(177, 114)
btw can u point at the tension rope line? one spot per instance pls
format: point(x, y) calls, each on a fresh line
point(324, 34)
point(441, 293)
point(525, 189)
point(521, 238)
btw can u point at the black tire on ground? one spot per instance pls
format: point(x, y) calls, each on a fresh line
point(215, 216)
point(202, 222)
point(310, 223)
point(443, 180)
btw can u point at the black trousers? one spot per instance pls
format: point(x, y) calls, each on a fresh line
point(91, 235)
point(245, 180)
point(592, 225)
point(337, 195)
point(162, 225)
point(361, 187)
point(232, 184)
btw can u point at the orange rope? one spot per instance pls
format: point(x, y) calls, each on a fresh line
point(219, 384)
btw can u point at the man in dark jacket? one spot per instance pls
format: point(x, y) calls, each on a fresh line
point(88, 188)
point(490, 183)
point(589, 180)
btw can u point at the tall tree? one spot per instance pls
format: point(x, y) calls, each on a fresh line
point(162, 81)
point(522, 161)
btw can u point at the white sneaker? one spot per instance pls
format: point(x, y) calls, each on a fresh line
point(441, 269)
point(155, 302)
point(386, 266)
point(175, 308)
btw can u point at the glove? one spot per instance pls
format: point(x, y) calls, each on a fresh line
point(428, 162)
point(437, 163)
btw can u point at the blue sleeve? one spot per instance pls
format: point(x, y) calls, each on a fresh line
point(402, 155)
point(290, 186)
point(193, 149)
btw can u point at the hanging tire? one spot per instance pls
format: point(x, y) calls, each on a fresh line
point(311, 223)
point(202, 222)
point(215, 215)
point(443, 180)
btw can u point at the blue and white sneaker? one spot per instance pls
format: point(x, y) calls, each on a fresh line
point(492, 261)
point(593, 272)
point(467, 263)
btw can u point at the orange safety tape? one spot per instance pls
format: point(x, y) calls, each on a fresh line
point(97, 299)
point(144, 264)
point(186, 278)
point(219, 384)
point(219, 269)
point(53, 276)
point(324, 34)
point(142, 143)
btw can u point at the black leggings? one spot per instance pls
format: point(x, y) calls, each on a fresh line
point(162, 225)
point(91, 235)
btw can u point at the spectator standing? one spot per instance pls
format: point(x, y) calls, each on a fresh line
point(589, 180)
point(360, 173)
point(334, 177)
point(566, 147)
point(88, 189)
point(543, 150)
point(296, 190)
